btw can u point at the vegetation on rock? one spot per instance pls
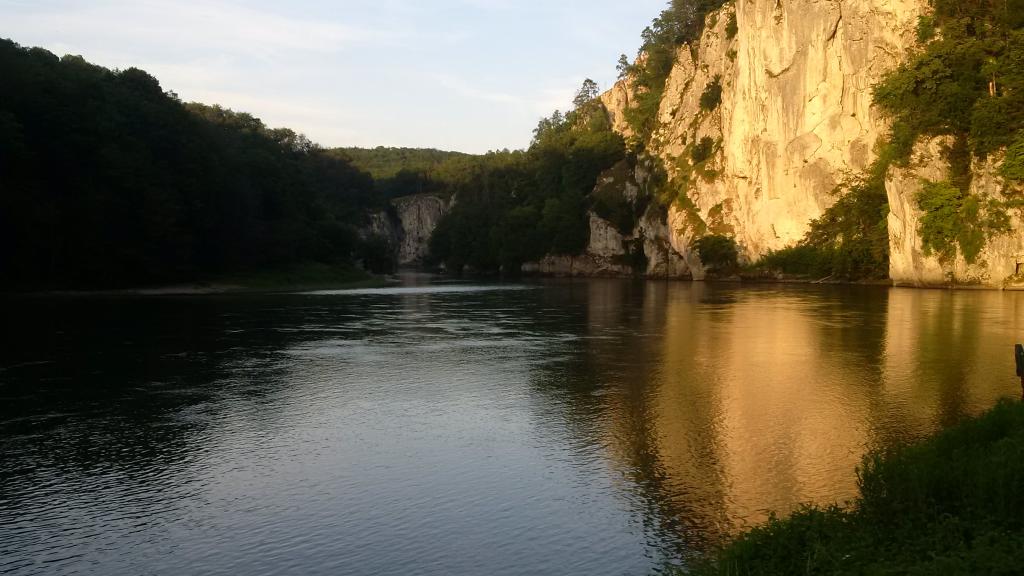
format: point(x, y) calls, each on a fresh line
point(711, 98)
point(957, 221)
point(967, 83)
point(718, 253)
point(680, 23)
point(517, 207)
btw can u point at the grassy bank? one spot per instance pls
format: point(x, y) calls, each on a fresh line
point(953, 504)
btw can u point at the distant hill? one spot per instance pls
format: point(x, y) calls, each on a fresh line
point(383, 162)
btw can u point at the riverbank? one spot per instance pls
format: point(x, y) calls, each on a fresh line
point(301, 278)
point(953, 504)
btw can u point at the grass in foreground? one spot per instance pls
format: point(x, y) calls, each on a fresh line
point(951, 505)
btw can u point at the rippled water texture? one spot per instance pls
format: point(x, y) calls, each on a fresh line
point(588, 428)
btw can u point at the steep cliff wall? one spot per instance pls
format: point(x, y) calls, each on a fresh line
point(795, 117)
point(408, 225)
point(418, 217)
point(1000, 263)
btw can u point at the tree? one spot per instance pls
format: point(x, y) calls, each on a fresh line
point(586, 94)
point(624, 67)
point(108, 180)
point(718, 253)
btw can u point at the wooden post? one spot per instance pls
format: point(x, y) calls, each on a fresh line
point(1020, 367)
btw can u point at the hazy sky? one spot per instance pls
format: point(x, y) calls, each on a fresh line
point(470, 75)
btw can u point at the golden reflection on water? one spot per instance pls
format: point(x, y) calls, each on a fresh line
point(735, 402)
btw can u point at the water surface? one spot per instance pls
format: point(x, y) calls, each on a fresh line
point(578, 428)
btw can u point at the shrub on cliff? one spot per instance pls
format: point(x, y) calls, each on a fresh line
point(718, 253)
point(967, 83)
point(680, 23)
point(711, 98)
point(732, 27)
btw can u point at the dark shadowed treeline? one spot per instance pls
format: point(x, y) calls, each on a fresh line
point(516, 207)
point(107, 180)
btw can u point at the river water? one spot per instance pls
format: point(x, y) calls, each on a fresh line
point(591, 428)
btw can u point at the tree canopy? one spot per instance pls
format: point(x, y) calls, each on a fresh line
point(516, 207)
point(106, 179)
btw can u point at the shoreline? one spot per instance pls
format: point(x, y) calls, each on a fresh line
point(281, 286)
point(214, 289)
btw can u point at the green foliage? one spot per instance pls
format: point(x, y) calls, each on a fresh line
point(516, 207)
point(732, 27)
point(955, 220)
point(680, 23)
point(852, 238)
point(703, 150)
point(384, 163)
point(925, 28)
point(107, 180)
point(711, 98)
point(610, 202)
point(950, 505)
point(402, 171)
point(1013, 165)
point(967, 83)
point(718, 253)
point(801, 260)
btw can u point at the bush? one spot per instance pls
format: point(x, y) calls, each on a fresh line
point(712, 96)
point(954, 219)
point(800, 260)
point(718, 253)
point(853, 235)
point(925, 28)
point(703, 150)
point(1013, 166)
point(377, 255)
point(731, 27)
point(950, 505)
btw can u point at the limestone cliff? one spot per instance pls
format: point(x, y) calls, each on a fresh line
point(1001, 262)
point(795, 117)
point(418, 217)
point(407, 225)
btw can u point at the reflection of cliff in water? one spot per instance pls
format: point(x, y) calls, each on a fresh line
point(948, 354)
point(719, 404)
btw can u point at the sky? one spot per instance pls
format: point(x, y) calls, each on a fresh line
point(467, 75)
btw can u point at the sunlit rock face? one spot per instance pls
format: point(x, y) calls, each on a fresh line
point(795, 117)
point(1001, 262)
point(418, 217)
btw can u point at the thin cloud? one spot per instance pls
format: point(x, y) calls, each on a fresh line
point(461, 74)
point(190, 25)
